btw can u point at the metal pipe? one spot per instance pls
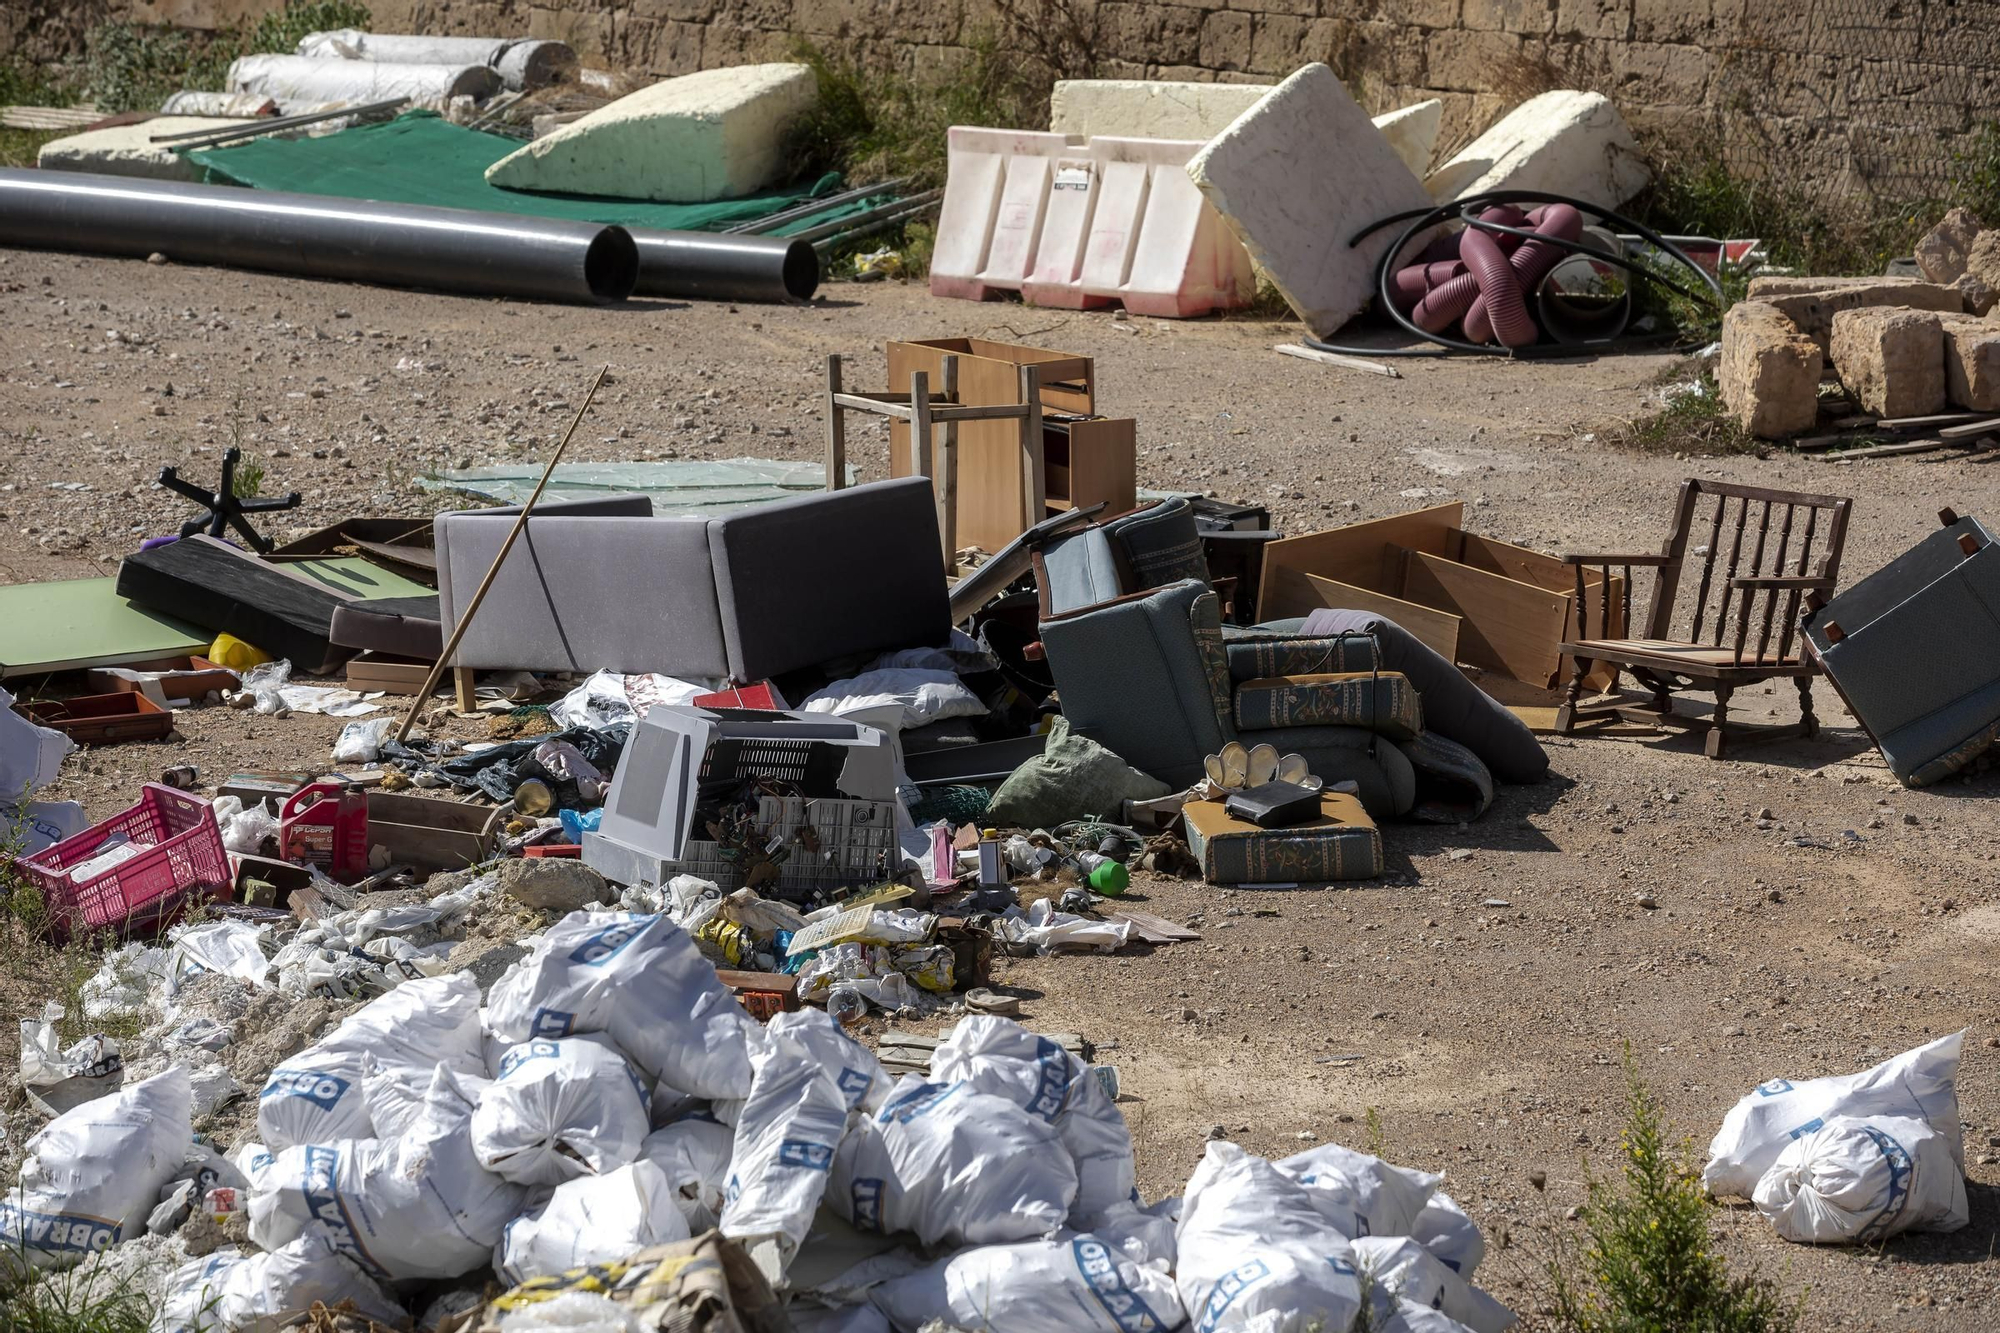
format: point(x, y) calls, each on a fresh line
point(894, 208)
point(770, 221)
point(272, 124)
point(396, 245)
point(716, 266)
point(881, 224)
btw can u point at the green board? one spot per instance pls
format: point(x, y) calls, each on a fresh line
point(420, 158)
point(353, 576)
point(80, 623)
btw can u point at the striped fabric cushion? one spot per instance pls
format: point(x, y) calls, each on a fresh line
point(1251, 658)
point(1386, 704)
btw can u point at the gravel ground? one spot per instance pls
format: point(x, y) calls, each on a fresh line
point(1489, 984)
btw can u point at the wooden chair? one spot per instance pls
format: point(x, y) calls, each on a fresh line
point(1727, 641)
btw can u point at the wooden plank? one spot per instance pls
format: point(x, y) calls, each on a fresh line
point(836, 429)
point(1103, 466)
point(1294, 593)
point(1034, 476)
point(1925, 423)
point(1154, 929)
point(1354, 554)
point(1506, 625)
point(1970, 430)
point(1336, 359)
point(1887, 451)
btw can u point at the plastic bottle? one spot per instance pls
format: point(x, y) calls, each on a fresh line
point(992, 870)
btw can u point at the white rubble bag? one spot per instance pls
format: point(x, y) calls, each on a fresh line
point(1921, 1084)
point(1401, 1316)
point(1403, 1266)
point(230, 1292)
point(786, 1136)
point(953, 1166)
point(419, 1207)
point(860, 1076)
point(592, 1220)
point(1448, 1232)
point(58, 1080)
point(1385, 1200)
point(694, 1152)
point(1257, 1251)
point(1856, 1181)
point(640, 981)
point(92, 1175)
point(560, 1110)
point(1076, 1284)
point(1000, 1057)
point(317, 1096)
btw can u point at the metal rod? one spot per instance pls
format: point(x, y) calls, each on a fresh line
point(711, 266)
point(812, 206)
point(492, 570)
point(273, 124)
point(881, 224)
point(397, 245)
point(915, 201)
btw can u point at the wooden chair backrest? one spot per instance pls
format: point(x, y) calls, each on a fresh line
point(1724, 531)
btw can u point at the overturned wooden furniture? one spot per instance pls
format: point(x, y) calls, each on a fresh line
point(1476, 601)
point(1783, 557)
point(921, 411)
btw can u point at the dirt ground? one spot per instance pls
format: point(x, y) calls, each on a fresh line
point(1488, 985)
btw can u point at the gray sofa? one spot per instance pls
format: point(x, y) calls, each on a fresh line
point(748, 595)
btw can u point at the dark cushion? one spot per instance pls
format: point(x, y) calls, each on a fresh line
point(828, 575)
point(399, 626)
point(1453, 706)
point(208, 582)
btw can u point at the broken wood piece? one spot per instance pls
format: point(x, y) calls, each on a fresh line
point(1925, 423)
point(1888, 450)
point(1970, 430)
point(1304, 353)
point(1811, 442)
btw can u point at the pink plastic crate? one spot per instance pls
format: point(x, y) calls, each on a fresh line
point(186, 862)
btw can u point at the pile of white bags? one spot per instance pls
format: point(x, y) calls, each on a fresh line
point(230, 1292)
point(560, 1110)
point(592, 1220)
point(1854, 1158)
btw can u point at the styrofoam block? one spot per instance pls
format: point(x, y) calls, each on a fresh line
point(129, 150)
point(1141, 109)
point(1298, 174)
point(718, 134)
point(1413, 132)
point(1564, 142)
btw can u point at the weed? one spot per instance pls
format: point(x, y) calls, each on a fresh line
point(81, 1300)
point(1976, 172)
point(1690, 422)
point(1648, 1262)
point(249, 479)
point(132, 67)
point(1378, 1145)
point(23, 84)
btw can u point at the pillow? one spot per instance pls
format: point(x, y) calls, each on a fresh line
point(1073, 778)
point(925, 696)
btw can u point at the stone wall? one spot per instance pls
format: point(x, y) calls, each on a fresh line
point(1862, 95)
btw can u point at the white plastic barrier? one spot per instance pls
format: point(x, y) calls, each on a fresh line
point(1084, 223)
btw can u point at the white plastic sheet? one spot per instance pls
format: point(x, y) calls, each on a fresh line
point(639, 980)
point(419, 1207)
point(999, 1056)
point(1052, 931)
point(924, 696)
point(93, 1173)
point(1072, 1284)
point(592, 1220)
point(1858, 1181)
point(317, 1095)
point(1257, 1250)
point(233, 948)
point(1920, 1084)
point(56, 1079)
point(953, 1165)
point(30, 757)
point(560, 1110)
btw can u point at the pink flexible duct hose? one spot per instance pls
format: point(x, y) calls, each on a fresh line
point(1499, 310)
point(1503, 310)
point(1409, 286)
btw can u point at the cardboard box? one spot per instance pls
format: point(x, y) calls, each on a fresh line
point(430, 835)
point(391, 675)
point(1341, 844)
point(1476, 601)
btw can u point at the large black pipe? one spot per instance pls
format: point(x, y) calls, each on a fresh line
point(720, 266)
point(397, 245)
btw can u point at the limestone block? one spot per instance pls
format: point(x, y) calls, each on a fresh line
point(1294, 177)
point(1972, 363)
point(129, 150)
point(1811, 303)
point(1138, 109)
point(1942, 253)
point(718, 134)
point(1564, 142)
point(1891, 360)
point(1769, 372)
point(1413, 132)
point(1980, 283)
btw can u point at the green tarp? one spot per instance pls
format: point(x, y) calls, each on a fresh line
point(421, 158)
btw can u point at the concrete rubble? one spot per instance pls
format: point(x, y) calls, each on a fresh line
point(1971, 362)
point(718, 134)
point(1811, 303)
point(1294, 177)
point(1769, 371)
point(1564, 142)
